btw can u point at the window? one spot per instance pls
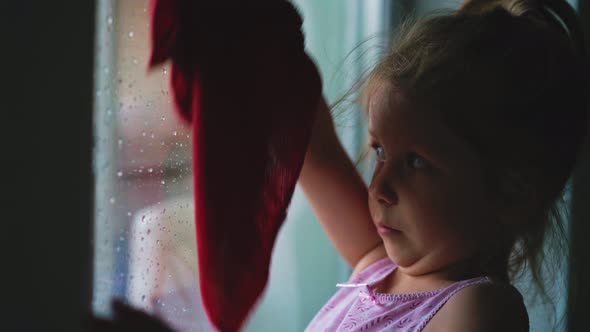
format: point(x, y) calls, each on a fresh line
point(145, 249)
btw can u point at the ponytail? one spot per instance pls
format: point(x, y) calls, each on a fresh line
point(557, 14)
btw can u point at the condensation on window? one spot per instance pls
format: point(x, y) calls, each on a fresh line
point(144, 246)
point(145, 249)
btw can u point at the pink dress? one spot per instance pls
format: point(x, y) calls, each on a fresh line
point(356, 307)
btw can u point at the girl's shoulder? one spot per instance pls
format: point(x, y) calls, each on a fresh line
point(495, 306)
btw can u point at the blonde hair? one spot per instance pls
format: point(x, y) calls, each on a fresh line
point(510, 78)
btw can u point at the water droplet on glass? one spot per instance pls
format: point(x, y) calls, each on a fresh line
point(131, 34)
point(112, 200)
point(153, 135)
point(163, 118)
point(148, 231)
point(174, 133)
point(163, 182)
point(110, 20)
point(143, 298)
point(121, 238)
point(120, 142)
point(165, 71)
point(119, 174)
point(143, 133)
point(109, 112)
point(118, 249)
point(134, 61)
point(150, 169)
point(143, 218)
point(129, 214)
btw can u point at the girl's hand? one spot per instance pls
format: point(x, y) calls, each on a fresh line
point(126, 318)
point(235, 44)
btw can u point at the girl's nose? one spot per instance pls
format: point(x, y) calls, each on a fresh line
point(382, 192)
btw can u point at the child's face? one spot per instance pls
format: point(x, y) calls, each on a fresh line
point(427, 186)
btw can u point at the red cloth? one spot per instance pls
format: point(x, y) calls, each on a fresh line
point(241, 77)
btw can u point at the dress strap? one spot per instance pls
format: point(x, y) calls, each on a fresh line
point(365, 292)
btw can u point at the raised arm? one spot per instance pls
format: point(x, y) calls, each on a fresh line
point(337, 193)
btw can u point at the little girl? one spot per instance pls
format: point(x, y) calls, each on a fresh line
point(476, 119)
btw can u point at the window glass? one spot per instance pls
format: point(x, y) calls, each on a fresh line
point(145, 249)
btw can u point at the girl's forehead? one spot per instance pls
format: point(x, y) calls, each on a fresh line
point(397, 122)
point(390, 113)
point(387, 106)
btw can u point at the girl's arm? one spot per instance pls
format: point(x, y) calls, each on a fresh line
point(337, 194)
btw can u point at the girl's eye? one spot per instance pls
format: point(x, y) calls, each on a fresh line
point(378, 151)
point(415, 161)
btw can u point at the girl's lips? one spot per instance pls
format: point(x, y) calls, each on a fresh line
point(386, 230)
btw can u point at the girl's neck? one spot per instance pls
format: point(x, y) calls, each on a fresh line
point(477, 266)
point(399, 282)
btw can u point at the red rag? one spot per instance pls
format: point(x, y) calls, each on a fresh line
point(240, 75)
